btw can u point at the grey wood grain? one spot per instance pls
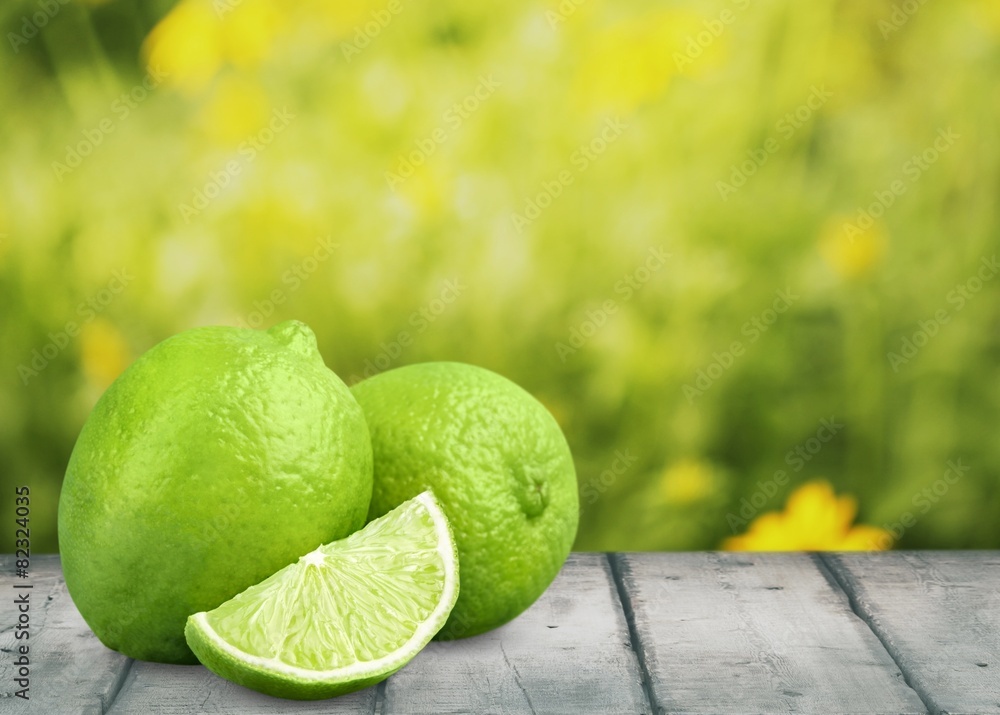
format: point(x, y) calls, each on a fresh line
point(938, 613)
point(159, 689)
point(71, 671)
point(713, 633)
point(755, 633)
point(569, 653)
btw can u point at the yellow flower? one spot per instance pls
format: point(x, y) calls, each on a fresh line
point(814, 519)
point(628, 63)
point(687, 481)
point(103, 352)
point(987, 12)
point(186, 45)
point(340, 19)
point(238, 108)
point(850, 249)
point(427, 191)
point(198, 37)
point(248, 32)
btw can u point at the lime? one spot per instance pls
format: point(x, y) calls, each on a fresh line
point(498, 463)
point(344, 616)
point(218, 457)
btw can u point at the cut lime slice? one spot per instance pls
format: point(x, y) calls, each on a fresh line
point(344, 616)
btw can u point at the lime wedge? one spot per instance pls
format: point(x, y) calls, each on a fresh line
point(342, 617)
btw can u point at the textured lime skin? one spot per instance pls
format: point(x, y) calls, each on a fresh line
point(217, 458)
point(500, 467)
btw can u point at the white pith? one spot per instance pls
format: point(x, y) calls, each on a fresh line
point(424, 632)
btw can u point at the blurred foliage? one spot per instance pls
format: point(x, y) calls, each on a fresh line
point(340, 163)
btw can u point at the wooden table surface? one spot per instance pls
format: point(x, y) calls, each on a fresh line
point(897, 632)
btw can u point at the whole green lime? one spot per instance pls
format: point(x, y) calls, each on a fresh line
point(219, 457)
point(498, 464)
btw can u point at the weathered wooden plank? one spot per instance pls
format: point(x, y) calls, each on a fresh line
point(71, 671)
point(569, 653)
point(938, 613)
point(159, 689)
point(752, 633)
point(717, 632)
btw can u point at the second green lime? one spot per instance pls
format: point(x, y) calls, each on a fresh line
point(498, 464)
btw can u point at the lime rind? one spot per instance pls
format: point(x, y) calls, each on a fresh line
point(258, 608)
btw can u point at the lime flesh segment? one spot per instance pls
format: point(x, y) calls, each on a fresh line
point(344, 616)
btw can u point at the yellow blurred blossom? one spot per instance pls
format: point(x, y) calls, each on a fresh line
point(426, 191)
point(237, 109)
point(558, 12)
point(104, 352)
point(186, 45)
point(634, 61)
point(628, 64)
point(197, 37)
point(851, 247)
point(987, 14)
point(275, 210)
point(849, 62)
point(687, 481)
point(339, 19)
point(814, 519)
point(248, 32)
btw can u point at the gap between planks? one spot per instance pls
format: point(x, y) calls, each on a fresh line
point(617, 564)
point(378, 707)
point(622, 576)
point(845, 582)
point(836, 577)
point(117, 685)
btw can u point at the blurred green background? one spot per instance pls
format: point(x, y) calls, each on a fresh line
point(734, 246)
